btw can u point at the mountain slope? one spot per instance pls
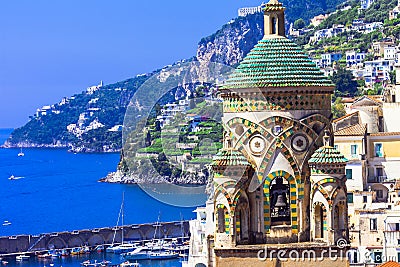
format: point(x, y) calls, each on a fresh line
point(90, 121)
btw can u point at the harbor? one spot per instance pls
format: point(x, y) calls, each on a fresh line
point(153, 241)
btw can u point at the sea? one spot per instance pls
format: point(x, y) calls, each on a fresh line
point(56, 190)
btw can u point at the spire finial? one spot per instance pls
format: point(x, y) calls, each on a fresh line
point(274, 19)
point(327, 138)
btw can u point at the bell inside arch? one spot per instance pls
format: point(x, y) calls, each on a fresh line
point(280, 202)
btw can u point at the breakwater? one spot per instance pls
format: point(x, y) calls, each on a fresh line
point(92, 237)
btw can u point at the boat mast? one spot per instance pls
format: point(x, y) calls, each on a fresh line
point(122, 217)
point(119, 216)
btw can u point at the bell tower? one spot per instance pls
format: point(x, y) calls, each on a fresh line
point(271, 179)
point(274, 19)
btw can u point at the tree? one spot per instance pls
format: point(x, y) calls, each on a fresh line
point(338, 109)
point(344, 83)
point(299, 24)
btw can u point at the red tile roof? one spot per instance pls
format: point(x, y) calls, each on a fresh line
point(358, 130)
point(390, 264)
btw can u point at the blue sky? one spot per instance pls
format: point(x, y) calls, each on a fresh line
point(50, 49)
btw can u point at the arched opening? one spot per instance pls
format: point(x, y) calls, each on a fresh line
point(319, 214)
point(242, 220)
point(339, 220)
point(273, 25)
point(279, 201)
point(222, 219)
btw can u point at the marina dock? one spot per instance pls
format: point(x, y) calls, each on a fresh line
point(18, 244)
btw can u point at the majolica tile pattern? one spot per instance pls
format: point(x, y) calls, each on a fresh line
point(270, 102)
point(327, 160)
point(276, 62)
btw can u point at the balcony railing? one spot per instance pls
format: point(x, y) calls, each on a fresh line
point(392, 238)
point(378, 179)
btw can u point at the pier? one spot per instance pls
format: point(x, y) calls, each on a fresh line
point(18, 244)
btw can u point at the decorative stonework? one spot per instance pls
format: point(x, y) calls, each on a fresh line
point(293, 199)
point(274, 103)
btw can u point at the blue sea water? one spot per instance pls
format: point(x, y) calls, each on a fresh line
point(60, 191)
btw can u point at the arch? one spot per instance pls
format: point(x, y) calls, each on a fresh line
point(274, 25)
point(75, 241)
point(57, 242)
point(96, 240)
point(320, 220)
point(200, 265)
point(242, 220)
point(339, 218)
point(320, 187)
point(292, 200)
point(222, 219)
point(222, 190)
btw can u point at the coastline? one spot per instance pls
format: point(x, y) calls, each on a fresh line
point(70, 147)
point(151, 178)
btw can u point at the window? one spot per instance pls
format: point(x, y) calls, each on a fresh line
point(336, 147)
point(349, 173)
point(397, 226)
point(373, 224)
point(365, 198)
point(353, 150)
point(379, 193)
point(349, 197)
point(378, 150)
point(379, 171)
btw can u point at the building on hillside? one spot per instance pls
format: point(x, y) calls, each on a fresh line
point(278, 184)
point(377, 71)
point(354, 58)
point(317, 20)
point(327, 59)
point(371, 142)
point(366, 3)
point(394, 13)
point(389, 53)
point(244, 11)
point(379, 47)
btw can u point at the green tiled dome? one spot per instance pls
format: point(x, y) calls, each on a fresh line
point(276, 62)
point(327, 155)
point(229, 157)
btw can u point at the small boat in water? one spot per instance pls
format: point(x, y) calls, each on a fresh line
point(122, 248)
point(21, 154)
point(22, 258)
point(129, 264)
point(88, 263)
point(145, 254)
point(12, 177)
point(76, 251)
point(6, 223)
point(99, 248)
point(64, 252)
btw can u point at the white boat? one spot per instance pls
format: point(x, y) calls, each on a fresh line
point(145, 254)
point(12, 177)
point(129, 264)
point(5, 223)
point(21, 154)
point(122, 248)
point(22, 258)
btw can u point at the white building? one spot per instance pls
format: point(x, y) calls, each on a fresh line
point(389, 53)
point(244, 11)
point(366, 3)
point(354, 58)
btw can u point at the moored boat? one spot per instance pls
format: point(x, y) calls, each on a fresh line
point(99, 248)
point(76, 251)
point(22, 257)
